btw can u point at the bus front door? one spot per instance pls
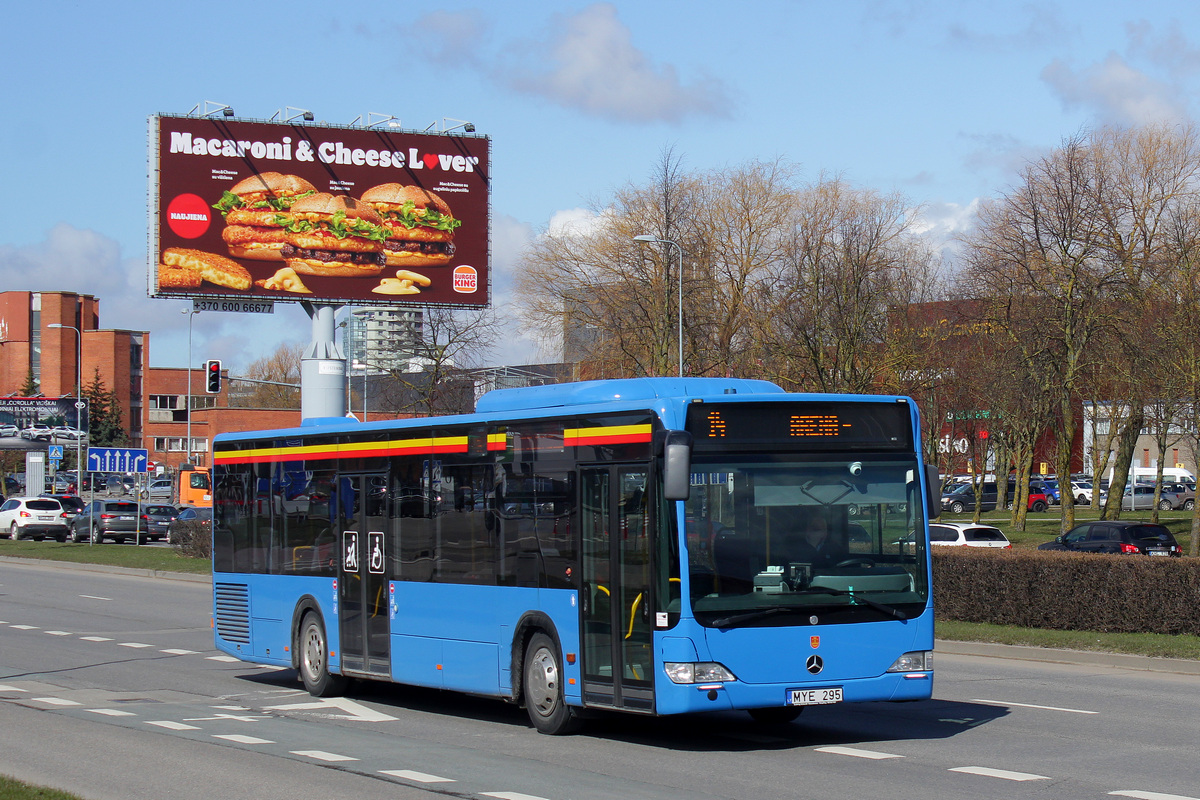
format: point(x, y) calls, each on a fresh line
point(362, 577)
point(618, 658)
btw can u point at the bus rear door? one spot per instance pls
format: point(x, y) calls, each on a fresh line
point(618, 657)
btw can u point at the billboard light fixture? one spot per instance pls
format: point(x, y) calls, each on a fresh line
point(291, 114)
point(210, 108)
point(374, 118)
point(469, 127)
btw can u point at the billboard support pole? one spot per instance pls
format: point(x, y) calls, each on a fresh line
point(322, 368)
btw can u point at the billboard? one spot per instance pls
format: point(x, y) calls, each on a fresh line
point(35, 423)
point(255, 211)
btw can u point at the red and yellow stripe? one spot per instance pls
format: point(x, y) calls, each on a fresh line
point(610, 434)
point(320, 452)
point(572, 437)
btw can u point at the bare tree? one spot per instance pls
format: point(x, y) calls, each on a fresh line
point(280, 372)
point(615, 297)
point(452, 342)
point(822, 316)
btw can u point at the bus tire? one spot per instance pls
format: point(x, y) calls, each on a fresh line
point(543, 688)
point(314, 660)
point(776, 715)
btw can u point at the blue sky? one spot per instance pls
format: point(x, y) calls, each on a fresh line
point(941, 101)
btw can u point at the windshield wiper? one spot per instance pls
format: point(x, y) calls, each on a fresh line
point(761, 613)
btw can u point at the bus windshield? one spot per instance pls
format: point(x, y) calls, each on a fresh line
point(810, 534)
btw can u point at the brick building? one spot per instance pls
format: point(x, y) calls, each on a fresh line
point(153, 400)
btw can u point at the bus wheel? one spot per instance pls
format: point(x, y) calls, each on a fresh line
point(544, 702)
point(777, 715)
point(314, 660)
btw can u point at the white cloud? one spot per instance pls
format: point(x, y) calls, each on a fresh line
point(575, 222)
point(510, 238)
point(941, 222)
point(594, 66)
point(585, 61)
point(1115, 92)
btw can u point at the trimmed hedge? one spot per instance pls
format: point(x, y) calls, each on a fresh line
point(1067, 591)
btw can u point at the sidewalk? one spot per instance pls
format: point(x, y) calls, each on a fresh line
point(1078, 657)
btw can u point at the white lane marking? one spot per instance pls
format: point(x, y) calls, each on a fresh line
point(134, 644)
point(321, 755)
point(352, 709)
point(1150, 795)
point(419, 777)
point(4, 687)
point(56, 701)
point(241, 739)
point(112, 712)
point(230, 708)
point(856, 753)
point(178, 652)
point(57, 633)
point(988, 772)
point(512, 796)
point(25, 627)
point(1029, 705)
point(94, 597)
point(225, 659)
point(170, 724)
point(274, 667)
point(95, 638)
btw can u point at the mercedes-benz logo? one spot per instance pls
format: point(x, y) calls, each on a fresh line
point(814, 664)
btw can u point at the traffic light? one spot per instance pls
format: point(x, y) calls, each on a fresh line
point(212, 380)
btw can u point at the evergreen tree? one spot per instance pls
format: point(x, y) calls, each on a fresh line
point(104, 421)
point(30, 388)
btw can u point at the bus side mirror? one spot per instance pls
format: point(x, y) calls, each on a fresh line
point(677, 465)
point(933, 500)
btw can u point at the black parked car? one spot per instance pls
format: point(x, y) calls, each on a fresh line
point(1117, 537)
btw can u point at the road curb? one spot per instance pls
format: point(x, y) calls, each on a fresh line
point(105, 568)
point(1050, 655)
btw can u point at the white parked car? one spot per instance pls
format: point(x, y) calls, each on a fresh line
point(33, 518)
point(966, 534)
point(37, 433)
point(65, 433)
point(1083, 492)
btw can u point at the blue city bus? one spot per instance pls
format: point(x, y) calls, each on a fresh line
point(654, 545)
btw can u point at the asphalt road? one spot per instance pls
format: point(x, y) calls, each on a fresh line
point(110, 687)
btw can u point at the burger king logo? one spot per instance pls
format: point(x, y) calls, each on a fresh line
point(466, 280)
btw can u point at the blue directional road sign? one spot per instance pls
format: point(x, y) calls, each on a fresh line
point(117, 459)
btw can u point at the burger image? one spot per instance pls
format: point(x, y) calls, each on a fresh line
point(419, 225)
point(334, 235)
point(256, 211)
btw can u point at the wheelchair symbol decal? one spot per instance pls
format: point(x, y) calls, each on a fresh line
point(375, 548)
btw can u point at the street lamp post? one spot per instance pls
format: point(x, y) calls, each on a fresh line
point(79, 404)
point(645, 237)
point(191, 312)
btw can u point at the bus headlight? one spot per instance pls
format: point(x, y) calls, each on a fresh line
point(918, 661)
point(702, 672)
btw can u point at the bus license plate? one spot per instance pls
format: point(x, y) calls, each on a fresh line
point(814, 697)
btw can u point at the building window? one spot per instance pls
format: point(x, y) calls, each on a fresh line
point(166, 401)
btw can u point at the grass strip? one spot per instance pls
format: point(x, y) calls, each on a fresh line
point(13, 789)
point(113, 555)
